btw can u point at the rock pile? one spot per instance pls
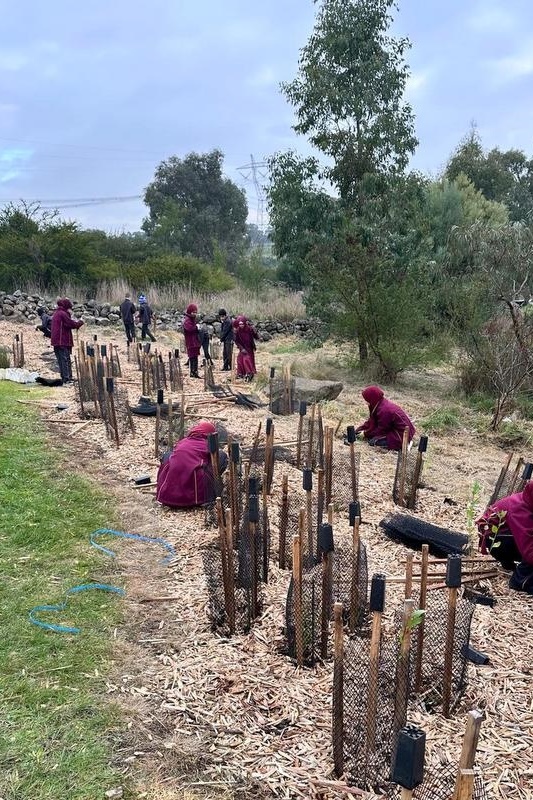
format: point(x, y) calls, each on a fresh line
point(22, 307)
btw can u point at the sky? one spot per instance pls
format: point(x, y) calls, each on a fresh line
point(93, 96)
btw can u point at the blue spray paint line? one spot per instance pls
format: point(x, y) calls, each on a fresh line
point(135, 536)
point(83, 587)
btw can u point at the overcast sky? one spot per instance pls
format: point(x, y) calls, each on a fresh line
point(94, 95)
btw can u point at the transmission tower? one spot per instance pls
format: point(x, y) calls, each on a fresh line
point(254, 173)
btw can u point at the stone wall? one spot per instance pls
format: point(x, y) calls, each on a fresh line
point(22, 307)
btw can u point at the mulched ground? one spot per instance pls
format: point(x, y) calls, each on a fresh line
point(236, 711)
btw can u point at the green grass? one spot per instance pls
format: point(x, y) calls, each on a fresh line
point(442, 420)
point(55, 726)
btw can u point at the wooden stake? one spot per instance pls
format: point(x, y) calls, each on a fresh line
point(403, 467)
point(468, 753)
point(338, 692)
point(422, 606)
point(402, 669)
point(354, 589)
point(297, 595)
point(311, 437)
point(409, 575)
point(284, 518)
point(448, 650)
point(265, 534)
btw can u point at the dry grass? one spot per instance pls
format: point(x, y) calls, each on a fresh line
point(269, 302)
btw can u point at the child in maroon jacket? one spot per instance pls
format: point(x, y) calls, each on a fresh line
point(192, 338)
point(506, 532)
point(186, 478)
point(245, 335)
point(61, 337)
point(386, 422)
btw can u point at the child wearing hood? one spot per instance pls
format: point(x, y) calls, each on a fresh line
point(386, 422)
point(186, 478)
point(192, 338)
point(61, 337)
point(506, 532)
point(245, 335)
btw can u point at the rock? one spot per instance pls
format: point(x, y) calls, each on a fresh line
point(101, 321)
point(265, 336)
point(114, 317)
point(115, 794)
point(7, 310)
point(308, 390)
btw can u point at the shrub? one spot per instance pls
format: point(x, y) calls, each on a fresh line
point(4, 358)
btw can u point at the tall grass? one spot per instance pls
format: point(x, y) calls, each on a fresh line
point(269, 302)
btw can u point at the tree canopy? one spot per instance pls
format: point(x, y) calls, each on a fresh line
point(195, 210)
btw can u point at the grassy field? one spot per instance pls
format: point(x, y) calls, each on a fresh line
point(55, 725)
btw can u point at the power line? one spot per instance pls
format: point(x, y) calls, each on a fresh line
point(74, 202)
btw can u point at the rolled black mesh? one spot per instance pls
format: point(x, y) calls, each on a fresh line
point(415, 532)
point(439, 784)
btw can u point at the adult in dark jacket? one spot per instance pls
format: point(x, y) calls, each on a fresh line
point(61, 337)
point(192, 338)
point(127, 315)
point(186, 478)
point(245, 336)
point(46, 323)
point(386, 422)
point(226, 337)
point(145, 318)
point(506, 532)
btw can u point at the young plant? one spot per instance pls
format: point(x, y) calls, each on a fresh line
point(472, 510)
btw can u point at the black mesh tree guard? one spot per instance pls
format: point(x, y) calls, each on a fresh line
point(349, 586)
point(439, 784)
point(428, 657)
point(242, 591)
point(368, 711)
point(342, 488)
point(408, 474)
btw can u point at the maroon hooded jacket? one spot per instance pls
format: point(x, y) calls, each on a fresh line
point(386, 419)
point(63, 324)
point(518, 519)
point(245, 336)
point(182, 481)
point(190, 331)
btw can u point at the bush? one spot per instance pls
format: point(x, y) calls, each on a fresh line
point(512, 435)
point(4, 358)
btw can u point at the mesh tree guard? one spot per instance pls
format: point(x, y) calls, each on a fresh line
point(349, 585)
point(415, 532)
point(217, 613)
point(117, 415)
point(366, 705)
point(234, 577)
point(511, 479)
point(408, 473)
point(175, 374)
point(344, 479)
point(18, 351)
point(429, 656)
point(439, 784)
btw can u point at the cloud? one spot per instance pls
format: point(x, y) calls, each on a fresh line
point(10, 159)
point(263, 77)
point(491, 19)
point(12, 60)
point(417, 83)
point(513, 67)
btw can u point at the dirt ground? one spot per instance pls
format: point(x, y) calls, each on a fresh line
point(234, 718)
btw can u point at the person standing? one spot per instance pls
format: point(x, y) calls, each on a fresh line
point(61, 337)
point(127, 314)
point(192, 338)
point(145, 318)
point(245, 336)
point(226, 337)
